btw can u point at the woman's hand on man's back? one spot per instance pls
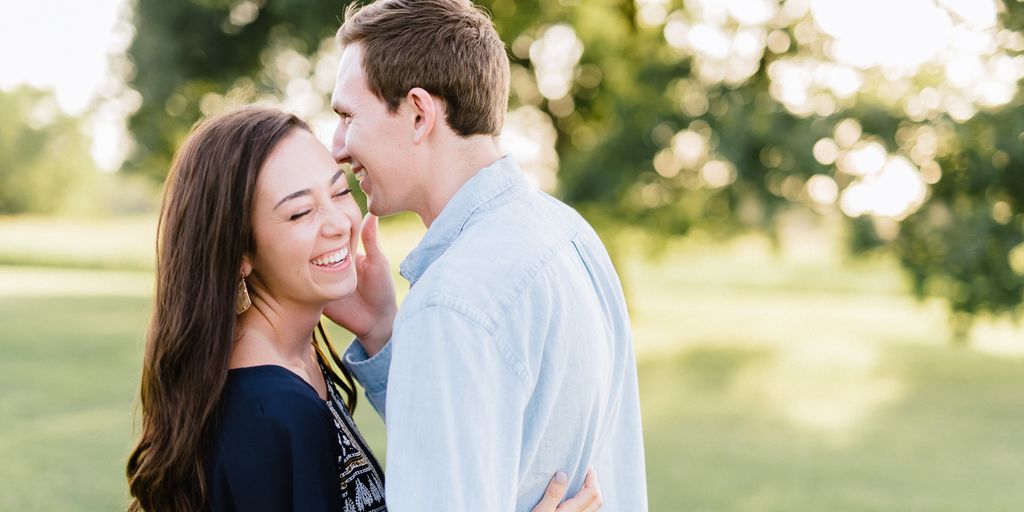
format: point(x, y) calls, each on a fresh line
point(588, 500)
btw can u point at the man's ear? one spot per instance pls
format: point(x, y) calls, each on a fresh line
point(424, 109)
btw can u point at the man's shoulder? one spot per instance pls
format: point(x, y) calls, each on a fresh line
point(530, 222)
point(502, 250)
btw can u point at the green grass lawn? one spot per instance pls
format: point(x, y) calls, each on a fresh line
point(767, 382)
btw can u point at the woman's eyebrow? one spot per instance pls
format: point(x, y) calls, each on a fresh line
point(305, 191)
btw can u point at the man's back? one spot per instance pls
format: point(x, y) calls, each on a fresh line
point(512, 357)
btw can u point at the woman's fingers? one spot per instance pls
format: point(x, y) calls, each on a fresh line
point(553, 494)
point(371, 244)
point(591, 484)
point(589, 498)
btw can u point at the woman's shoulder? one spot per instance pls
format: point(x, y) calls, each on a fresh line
point(268, 392)
point(270, 427)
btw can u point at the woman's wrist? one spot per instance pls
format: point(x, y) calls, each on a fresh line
point(375, 340)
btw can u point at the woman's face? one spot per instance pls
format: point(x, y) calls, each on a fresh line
point(306, 225)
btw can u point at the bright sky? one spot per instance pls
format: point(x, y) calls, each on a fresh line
point(60, 45)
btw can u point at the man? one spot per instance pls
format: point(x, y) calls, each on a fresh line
point(511, 357)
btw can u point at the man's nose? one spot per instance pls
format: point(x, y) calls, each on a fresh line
point(338, 149)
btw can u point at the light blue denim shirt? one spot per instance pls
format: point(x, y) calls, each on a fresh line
point(511, 359)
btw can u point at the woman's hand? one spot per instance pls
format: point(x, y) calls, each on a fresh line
point(588, 500)
point(369, 312)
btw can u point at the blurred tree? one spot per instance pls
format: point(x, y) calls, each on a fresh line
point(44, 154)
point(184, 51)
point(967, 243)
point(718, 114)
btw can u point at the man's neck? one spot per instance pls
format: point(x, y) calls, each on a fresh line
point(456, 164)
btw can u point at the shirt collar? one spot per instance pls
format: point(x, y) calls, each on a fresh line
point(487, 184)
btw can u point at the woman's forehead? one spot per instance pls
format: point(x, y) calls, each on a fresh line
point(299, 159)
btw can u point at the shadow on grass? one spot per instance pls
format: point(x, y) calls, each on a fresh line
point(952, 440)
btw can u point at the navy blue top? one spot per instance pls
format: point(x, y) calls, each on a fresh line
point(277, 446)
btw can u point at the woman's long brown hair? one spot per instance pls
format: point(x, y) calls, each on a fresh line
point(205, 228)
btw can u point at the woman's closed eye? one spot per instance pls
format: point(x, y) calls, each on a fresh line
point(299, 215)
point(341, 193)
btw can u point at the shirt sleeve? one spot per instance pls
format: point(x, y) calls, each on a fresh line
point(278, 456)
point(455, 410)
point(371, 372)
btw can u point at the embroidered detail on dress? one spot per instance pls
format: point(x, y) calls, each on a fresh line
point(360, 476)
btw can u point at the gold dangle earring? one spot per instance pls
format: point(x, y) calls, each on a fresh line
point(242, 300)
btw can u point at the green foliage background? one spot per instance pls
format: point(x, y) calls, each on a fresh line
point(42, 152)
point(625, 104)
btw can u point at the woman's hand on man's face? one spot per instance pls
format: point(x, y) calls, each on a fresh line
point(370, 311)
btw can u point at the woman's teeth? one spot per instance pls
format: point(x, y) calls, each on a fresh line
point(360, 174)
point(333, 258)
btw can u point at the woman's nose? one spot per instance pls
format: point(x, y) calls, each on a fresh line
point(335, 221)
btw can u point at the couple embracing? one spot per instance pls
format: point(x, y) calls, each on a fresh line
point(509, 361)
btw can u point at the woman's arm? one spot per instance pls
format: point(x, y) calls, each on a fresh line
point(278, 455)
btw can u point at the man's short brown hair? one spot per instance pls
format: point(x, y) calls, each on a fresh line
point(447, 47)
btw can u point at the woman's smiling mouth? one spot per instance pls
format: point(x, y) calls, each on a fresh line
point(332, 259)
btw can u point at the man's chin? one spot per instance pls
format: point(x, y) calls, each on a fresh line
point(374, 208)
point(379, 208)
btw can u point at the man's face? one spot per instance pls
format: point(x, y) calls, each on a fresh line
point(375, 142)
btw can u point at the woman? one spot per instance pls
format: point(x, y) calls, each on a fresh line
point(240, 396)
